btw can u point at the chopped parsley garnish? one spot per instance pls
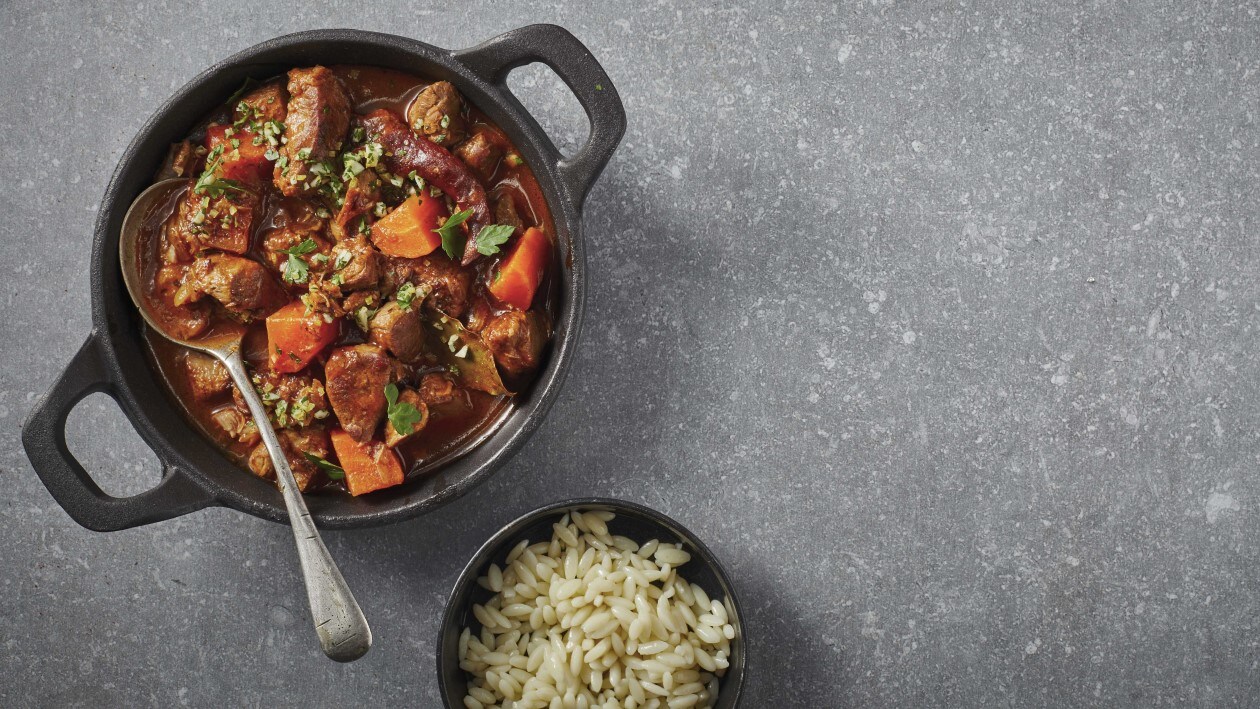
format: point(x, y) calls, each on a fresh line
point(406, 293)
point(416, 180)
point(363, 317)
point(490, 238)
point(342, 260)
point(402, 416)
point(271, 132)
point(453, 239)
point(332, 470)
point(296, 269)
point(354, 162)
point(209, 184)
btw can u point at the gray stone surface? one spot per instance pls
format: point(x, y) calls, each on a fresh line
point(937, 320)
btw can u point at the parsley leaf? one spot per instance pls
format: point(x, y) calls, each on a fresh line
point(296, 270)
point(402, 416)
point(334, 471)
point(489, 238)
point(307, 246)
point(452, 238)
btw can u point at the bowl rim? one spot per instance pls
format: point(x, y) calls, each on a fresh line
point(487, 551)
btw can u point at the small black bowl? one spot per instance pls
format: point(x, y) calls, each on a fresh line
point(633, 521)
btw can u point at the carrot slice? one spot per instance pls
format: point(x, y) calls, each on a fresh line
point(294, 337)
point(409, 230)
point(242, 161)
point(369, 466)
point(522, 270)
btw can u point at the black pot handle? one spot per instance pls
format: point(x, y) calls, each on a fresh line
point(44, 437)
point(573, 63)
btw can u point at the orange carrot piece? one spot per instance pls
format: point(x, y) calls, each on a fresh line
point(369, 466)
point(295, 337)
point(409, 230)
point(243, 161)
point(520, 272)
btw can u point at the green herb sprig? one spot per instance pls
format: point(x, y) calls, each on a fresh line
point(296, 270)
point(402, 416)
point(453, 239)
point(490, 238)
point(332, 470)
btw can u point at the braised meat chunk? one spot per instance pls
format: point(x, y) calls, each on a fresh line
point(291, 400)
point(282, 245)
point(181, 161)
point(436, 112)
point(207, 377)
point(295, 444)
point(202, 222)
point(236, 424)
point(398, 330)
point(480, 154)
point(516, 338)
point(437, 389)
point(362, 193)
point(265, 103)
point(185, 320)
point(356, 264)
point(505, 212)
point(447, 284)
point(356, 379)
point(315, 126)
point(241, 285)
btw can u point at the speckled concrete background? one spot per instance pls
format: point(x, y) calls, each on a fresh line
point(937, 320)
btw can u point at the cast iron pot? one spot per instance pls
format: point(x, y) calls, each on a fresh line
point(195, 474)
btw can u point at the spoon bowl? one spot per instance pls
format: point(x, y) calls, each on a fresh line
point(343, 631)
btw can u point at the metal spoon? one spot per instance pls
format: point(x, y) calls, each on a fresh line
point(343, 632)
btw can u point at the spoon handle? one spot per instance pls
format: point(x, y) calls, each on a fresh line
point(343, 632)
